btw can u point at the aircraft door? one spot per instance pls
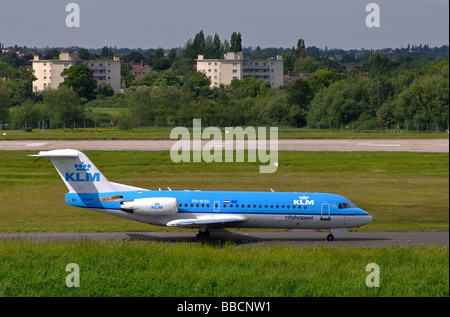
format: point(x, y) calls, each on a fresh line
point(217, 206)
point(325, 211)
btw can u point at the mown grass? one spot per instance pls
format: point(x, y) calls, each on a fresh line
point(402, 191)
point(126, 268)
point(160, 133)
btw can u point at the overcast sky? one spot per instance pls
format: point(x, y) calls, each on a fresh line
point(276, 23)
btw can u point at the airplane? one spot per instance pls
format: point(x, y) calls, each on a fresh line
point(203, 210)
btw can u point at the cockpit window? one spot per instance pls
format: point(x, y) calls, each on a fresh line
point(344, 206)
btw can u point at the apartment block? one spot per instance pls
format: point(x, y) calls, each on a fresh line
point(234, 66)
point(48, 72)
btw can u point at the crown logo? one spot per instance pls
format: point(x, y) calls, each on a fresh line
point(303, 197)
point(82, 167)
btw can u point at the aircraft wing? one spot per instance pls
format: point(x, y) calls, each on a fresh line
point(213, 221)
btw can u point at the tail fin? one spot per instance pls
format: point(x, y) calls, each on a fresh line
point(78, 173)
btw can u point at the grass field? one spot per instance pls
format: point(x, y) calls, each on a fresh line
point(402, 191)
point(98, 133)
point(137, 269)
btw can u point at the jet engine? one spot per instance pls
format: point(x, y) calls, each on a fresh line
point(160, 206)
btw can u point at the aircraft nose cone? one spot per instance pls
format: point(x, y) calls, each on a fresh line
point(367, 217)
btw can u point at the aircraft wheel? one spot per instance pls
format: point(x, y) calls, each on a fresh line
point(330, 237)
point(203, 235)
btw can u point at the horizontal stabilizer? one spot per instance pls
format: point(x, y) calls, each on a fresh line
point(57, 153)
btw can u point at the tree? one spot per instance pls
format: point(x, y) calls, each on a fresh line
point(104, 90)
point(236, 42)
point(196, 82)
point(172, 55)
point(217, 47)
point(323, 78)
point(106, 52)
point(81, 79)
point(306, 64)
point(64, 105)
point(167, 78)
point(159, 53)
point(5, 100)
point(161, 64)
point(28, 114)
point(84, 54)
point(134, 57)
point(300, 50)
point(379, 66)
point(299, 95)
point(250, 86)
point(198, 44)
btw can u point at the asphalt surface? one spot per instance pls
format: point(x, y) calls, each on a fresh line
point(300, 238)
point(391, 145)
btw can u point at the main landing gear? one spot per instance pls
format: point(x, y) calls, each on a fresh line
point(203, 235)
point(330, 237)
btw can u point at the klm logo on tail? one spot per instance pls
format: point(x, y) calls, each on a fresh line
point(82, 177)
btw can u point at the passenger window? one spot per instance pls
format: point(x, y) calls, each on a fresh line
point(304, 207)
point(277, 207)
point(265, 206)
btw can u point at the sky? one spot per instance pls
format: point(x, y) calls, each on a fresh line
point(276, 23)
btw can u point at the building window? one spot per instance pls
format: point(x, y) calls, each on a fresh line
point(234, 71)
point(234, 64)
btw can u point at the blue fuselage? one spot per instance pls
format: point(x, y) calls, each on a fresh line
point(261, 209)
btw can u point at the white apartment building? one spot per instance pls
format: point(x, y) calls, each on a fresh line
point(48, 72)
point(234, 66)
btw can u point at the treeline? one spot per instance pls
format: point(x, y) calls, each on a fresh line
point(411, 90)
point(386, 96)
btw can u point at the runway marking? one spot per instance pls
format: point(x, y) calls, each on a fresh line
point(377, 144)
point(35, 144)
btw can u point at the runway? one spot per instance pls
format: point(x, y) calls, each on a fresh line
point(390, 145)
point(299, 238)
